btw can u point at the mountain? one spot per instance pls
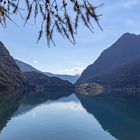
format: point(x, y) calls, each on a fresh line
point(12, 78)
point(70, 78)
point(24, 67)
point(116, 65)
point(126, 76)
point(41, 81)
point(28, 68)
point(10, 75)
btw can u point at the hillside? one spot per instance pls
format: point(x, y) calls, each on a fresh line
point(116, 66)
point(126, 76)
point(12, 78)
point(42, 81)
point(24, 67)
point(10, 75)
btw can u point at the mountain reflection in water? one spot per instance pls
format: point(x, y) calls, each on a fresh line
point(117, 112)
point(102, 116)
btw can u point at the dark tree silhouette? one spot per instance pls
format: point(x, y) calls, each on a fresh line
point(62, 16)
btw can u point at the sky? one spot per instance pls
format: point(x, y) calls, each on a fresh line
point(119, 17)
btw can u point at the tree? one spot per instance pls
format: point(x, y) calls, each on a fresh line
point(55, 15)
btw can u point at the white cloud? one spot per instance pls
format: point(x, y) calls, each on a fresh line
point(74, 70)
point(130, 3)
point(35, 62)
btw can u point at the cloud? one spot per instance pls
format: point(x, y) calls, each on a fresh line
point(35, 62)
point(74, 70)
point(130, 3)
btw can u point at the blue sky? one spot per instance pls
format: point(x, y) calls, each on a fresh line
point(119, 16)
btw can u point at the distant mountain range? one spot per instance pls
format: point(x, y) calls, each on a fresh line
point(117, 66)
point(14, 78)
point(42, 81)
point(28, 68)
point(24, 67)
point(70, 78)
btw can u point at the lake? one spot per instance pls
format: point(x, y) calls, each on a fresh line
point(62, 115)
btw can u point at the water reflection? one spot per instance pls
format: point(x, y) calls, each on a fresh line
point(117, 112)
point(13, 104)
point(48, 115)
point(61, 114)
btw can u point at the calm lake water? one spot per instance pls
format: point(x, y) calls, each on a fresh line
point(67, 116)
